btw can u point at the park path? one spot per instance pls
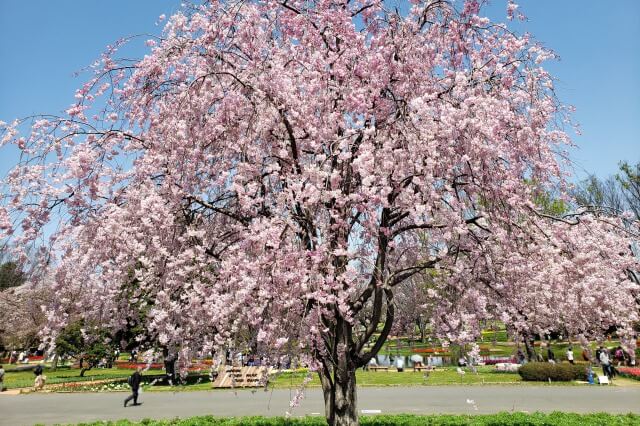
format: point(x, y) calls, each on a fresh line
point(85, 407)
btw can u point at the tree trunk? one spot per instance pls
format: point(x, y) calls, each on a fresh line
point(340, 398)
point(338, 378)
point(88, 367)
point(54, 362)
point(529, 348)
point(423, 332)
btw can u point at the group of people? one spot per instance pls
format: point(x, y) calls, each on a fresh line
point(21, 357)
point(606, 358)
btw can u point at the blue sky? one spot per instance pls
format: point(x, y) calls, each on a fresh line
point(43, 43)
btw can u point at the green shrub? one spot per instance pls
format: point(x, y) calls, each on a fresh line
point(543, 371)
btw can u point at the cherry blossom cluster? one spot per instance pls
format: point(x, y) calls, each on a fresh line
point(277, 169)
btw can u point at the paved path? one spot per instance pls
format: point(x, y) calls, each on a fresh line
point(84, 407)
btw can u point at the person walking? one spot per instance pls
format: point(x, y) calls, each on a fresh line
point(550, 355)
point(606, 363)
point(134, 381)
point(619, 356)
point(40, 379)
point(570, 354)
point(1, 378)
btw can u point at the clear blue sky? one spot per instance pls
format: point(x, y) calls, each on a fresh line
point(43, 42)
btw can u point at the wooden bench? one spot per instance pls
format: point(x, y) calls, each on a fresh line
point(378, 367)
point(423, 368)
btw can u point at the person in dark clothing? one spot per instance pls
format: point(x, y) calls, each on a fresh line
point(550, 355)
point(38, 370)
point(170, 367)
point(134, 382)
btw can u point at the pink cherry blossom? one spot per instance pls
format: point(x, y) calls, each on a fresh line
point(280, 169)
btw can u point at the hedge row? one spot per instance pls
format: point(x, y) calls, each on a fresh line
point(501, 419)
point(543, 371)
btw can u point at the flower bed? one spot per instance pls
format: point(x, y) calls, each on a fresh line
point(499, 361)
point(201, 365)
point(134, 365)
point(630, 372)
point(435, 351)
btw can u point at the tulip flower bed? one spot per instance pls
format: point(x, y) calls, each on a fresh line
point(24, 379)
point(630, 372)
point(435, 351)
point(133, 365)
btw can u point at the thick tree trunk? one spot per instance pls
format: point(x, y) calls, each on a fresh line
point(338, 378)
point(340, 398)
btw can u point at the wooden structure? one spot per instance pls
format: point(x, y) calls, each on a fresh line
point(423, 368)
point(379, 367)
point(241, 377)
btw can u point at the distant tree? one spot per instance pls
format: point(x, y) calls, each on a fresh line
point(414, 306)
point(606, 194)
point(22, 317)
point(629, 180)
point(86, 344)
point(614, 194)
point(10, 275)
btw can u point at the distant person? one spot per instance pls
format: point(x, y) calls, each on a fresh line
point(520, 356)
point(1, 378)
point(585, 355)
point(619, 356)
point(598, 351)
point(570, 355)
point(134, 381)
point(550, 355)
point(373, 362)
point(170, 367)
point(400, 364)
point(40, 380)
point(605, 361)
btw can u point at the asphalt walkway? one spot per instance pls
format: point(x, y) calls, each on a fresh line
point(51, 408)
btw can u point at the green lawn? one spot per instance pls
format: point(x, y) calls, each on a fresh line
point(22, 379)
point(500, 419)
point(445, 376)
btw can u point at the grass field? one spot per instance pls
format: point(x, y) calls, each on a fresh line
point(500, 419)
point(23, 379)
point(445, 376)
